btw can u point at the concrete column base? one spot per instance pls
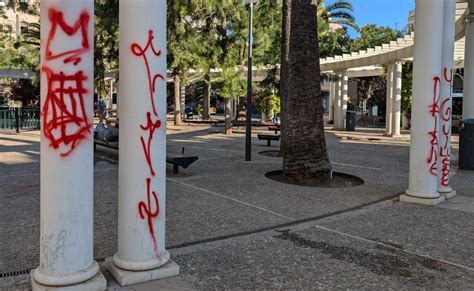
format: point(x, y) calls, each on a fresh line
point(96, 283)
point(426, 201)
point(448, 195)
point(126, 278)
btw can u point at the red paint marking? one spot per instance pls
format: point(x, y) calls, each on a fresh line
point(145, 211)
point(447, 78)
point(64, 115)
point(139, 51)
point(446, 116)
point(57, 19)
point(434, 110)
point(152, 124)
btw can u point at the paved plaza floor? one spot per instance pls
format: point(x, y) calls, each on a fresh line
point(228, 226)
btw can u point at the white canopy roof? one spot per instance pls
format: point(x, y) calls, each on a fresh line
point(401, 49)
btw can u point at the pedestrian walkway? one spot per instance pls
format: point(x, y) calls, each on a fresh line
point(230, 227)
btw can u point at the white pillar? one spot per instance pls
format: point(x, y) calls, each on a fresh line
point(427, 53)
point(446, 102)
point(344, 99)
point(142, 168)
point(396, 98)
point(389, 100)
point(468, 100)
point(67, 74)
point(331, 100)
point(337, 101)
point(183, 101)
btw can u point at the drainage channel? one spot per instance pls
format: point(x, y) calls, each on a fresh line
point(243, 233)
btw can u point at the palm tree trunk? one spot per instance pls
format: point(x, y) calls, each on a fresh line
point(305, 154)
point(228, 116)
point(286, 9)
point(206, 99)
point(177, 99)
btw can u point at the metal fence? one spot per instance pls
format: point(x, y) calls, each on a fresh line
point(19, 118)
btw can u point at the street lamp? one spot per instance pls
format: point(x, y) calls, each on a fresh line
point(248, 131)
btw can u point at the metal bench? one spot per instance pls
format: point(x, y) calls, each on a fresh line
point(276, 128)
point(183, 162)
point(269, 138)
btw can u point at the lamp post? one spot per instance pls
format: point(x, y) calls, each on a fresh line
point(248, 115)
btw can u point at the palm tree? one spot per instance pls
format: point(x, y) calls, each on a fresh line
point(305, 156)
point(339, 12)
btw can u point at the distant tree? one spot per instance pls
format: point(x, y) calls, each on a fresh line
point(333, 43)
point(339, 12)
point(372, 35)
point(26, 91)
point(106, 42)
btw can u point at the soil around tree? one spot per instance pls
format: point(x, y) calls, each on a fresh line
point(338, 180)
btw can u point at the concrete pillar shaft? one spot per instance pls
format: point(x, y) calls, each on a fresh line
point(142, 168)
point(468, 100)
point(396, 98)
point(423, 178)
point(331, 100)
point(445, 102)
point(66, 238)
point(337, 101)
point(344, 99)
point(389, 100)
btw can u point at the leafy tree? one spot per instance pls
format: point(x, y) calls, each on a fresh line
point(372, 35)
point(26, 91)
point(407, 85)
point(106, 42)
point(335, 42)
point(339, 12)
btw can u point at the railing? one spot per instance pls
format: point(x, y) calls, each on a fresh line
point(19, 118)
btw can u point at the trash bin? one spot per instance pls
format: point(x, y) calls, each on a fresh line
point(351, 119)
point(466, 145)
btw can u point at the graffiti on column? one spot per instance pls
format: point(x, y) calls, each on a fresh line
point(434, 144)
point(65, 120)
point(446, 115)
point(150, 209)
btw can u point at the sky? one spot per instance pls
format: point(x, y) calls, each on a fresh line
point(393, 13)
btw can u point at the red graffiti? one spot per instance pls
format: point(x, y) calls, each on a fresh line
point(149, 128)
point(434, 110)
point(139, 51)
point(57, 19)
point(65, 121)
point(64, 116)
point(446, 116)
point(145, 211)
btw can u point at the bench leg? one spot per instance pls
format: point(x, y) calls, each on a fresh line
point(175, 169)
point(269, 143)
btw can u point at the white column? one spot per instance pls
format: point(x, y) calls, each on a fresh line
point(344, 99)
point(397, 98)
point(337, 101)
point(468, 100)
point(142, 169)
point(331, 100)
point(389, 101)
point(446, 102)
point(427, 53)
point(67, 74)
point(183, 101)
